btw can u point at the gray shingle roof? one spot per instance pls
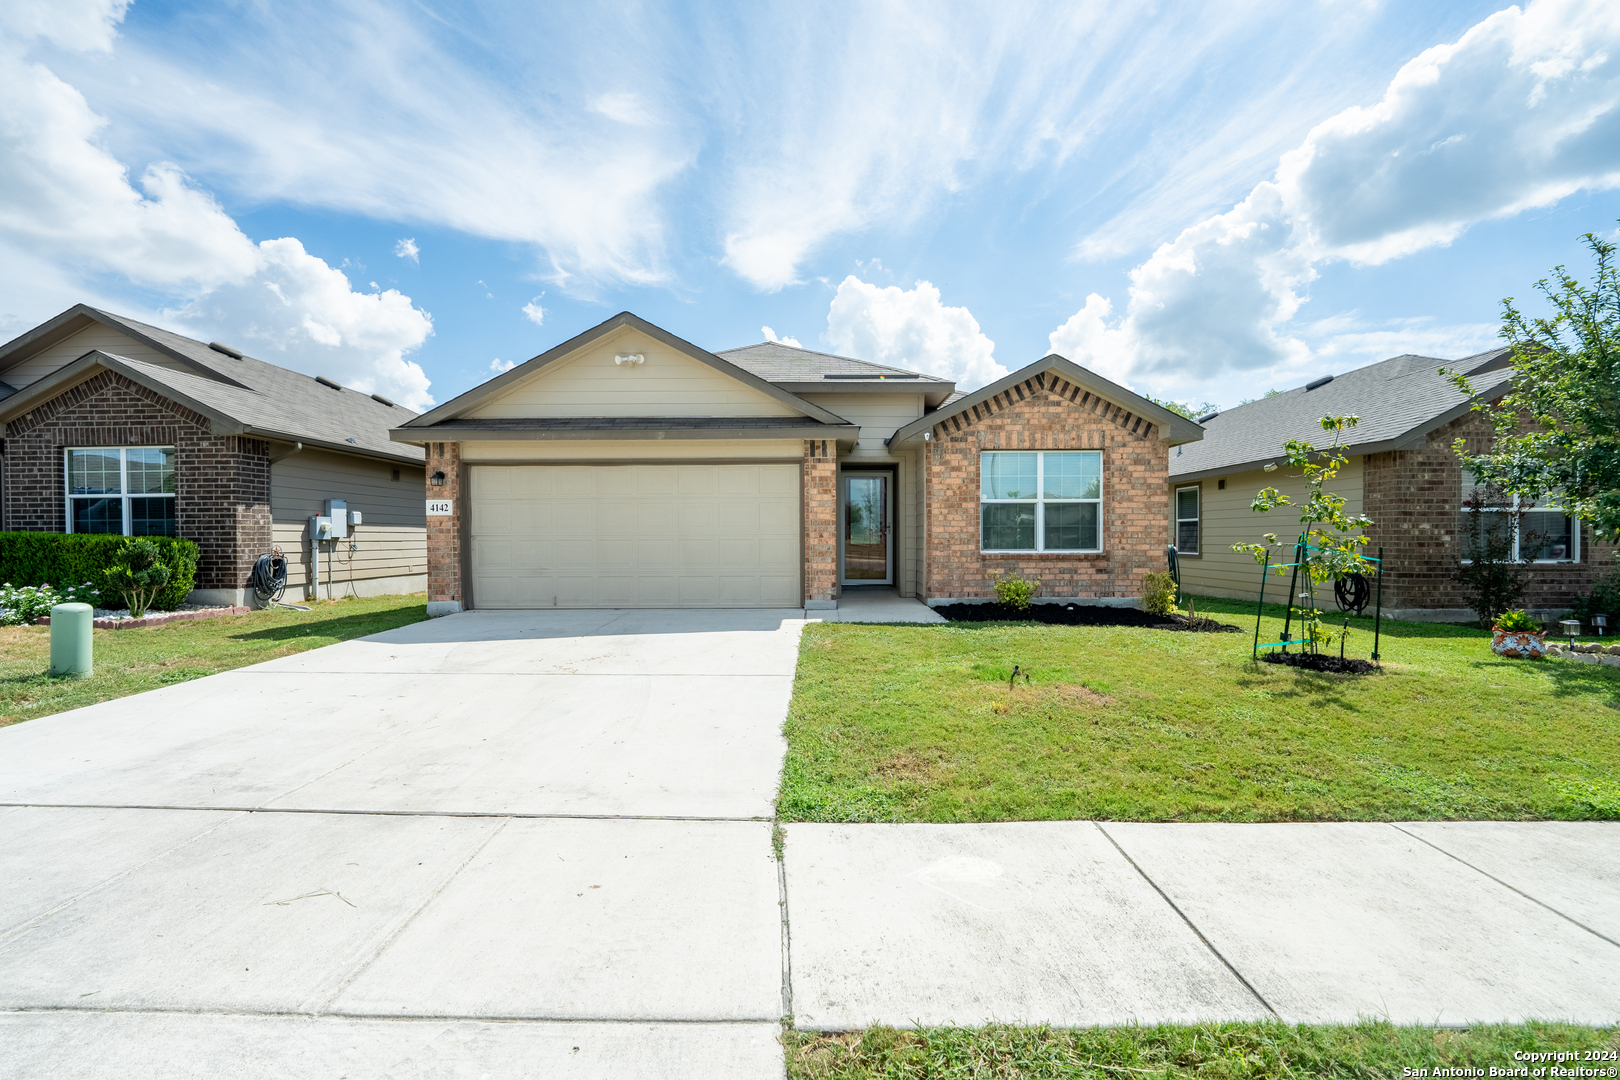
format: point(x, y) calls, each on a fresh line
point(775, 362)
point(272, 400)
point(634, 423)
point(1401, 398)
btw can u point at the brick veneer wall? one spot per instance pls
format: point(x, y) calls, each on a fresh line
point(222, 482)
point(444, 533)
point(820, 472)
point(1047, 413)
point(1414, 498)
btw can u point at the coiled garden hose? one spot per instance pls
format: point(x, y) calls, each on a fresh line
point(269, 577)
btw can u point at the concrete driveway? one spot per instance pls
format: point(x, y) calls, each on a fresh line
point(529, 843)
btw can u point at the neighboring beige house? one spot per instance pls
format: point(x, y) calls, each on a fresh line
point(110, 425)
point(1402, 473)
point(629, 468)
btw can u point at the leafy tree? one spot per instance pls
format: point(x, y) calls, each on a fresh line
point(1332, 538)
point(138, 575)
point(1185, 408)
point(1492, 580)
point(1558, 427)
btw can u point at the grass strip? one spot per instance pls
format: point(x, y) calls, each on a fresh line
point(1232, 1051)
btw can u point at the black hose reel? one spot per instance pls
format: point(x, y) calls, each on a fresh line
point(269, 578)
point(1353, 593)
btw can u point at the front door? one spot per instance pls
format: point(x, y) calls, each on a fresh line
point(868, 536)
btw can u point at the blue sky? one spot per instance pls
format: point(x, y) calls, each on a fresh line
point(1202, 201)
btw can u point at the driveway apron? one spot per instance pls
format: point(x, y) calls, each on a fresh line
point(469, 846)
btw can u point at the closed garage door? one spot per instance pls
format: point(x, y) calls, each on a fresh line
point(635, 536)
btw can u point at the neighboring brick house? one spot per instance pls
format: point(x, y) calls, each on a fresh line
point(109, 425)
point(1402, 473)
point(629, 468)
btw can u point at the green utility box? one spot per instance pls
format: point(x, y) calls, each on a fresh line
point(71, 639)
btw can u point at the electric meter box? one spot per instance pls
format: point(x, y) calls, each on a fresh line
point(320, 528)
point(337, 511)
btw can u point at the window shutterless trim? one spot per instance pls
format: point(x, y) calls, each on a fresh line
point(1197, 520)
point(124, 495)
point(1518, 525)
point(1039, 502)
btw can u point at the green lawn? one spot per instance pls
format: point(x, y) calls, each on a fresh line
point(130, 661)
point(1265, 1051)
point(917, 723)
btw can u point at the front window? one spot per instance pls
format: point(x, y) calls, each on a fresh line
point(125, 491)
point(1040, 500)
point(1187, 520)
point(1536, 532)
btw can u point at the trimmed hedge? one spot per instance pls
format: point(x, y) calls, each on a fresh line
point(42, 558)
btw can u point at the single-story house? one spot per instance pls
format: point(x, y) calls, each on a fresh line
point(1402, 473)
point(627, 467)
point(108, 425)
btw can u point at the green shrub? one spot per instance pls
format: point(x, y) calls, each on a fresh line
point(1517, 622)
point(58, 559)
point(1604, 599)
point(1159, 594)
point(1016, 592)
point(138, 576)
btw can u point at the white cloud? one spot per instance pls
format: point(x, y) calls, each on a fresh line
point(82, 26)
point(374, 109)
point(63, 193)
point(534, 312)
point(499, 366)
point(1522, 110)
point(407, 249)
point(910, 328)
point(770, 335)
point(297, 311)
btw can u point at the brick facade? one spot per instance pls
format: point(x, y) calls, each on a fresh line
point(1414, 498)
point(444, 534)
point(1046, 412)
point(222, 482)
point(820, 515)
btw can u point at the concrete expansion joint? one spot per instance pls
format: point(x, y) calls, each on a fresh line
point(1210, 945)
point(508, 814)
point(1505, 885)
point(787, 940)
point(422, 1018)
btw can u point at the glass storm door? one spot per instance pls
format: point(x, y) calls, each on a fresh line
point(868, 537)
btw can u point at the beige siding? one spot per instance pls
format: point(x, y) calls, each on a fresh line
point(1227, 520)
point(629, 450)
point(879, 416)
point(69, 349)
point(390, 543)
point(668, 383)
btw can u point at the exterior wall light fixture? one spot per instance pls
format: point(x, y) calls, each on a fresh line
point(633, 358)
point(437, 479)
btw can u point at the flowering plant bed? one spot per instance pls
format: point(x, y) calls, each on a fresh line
point(1333, 665)
point(1081, 615)
point(120, 620)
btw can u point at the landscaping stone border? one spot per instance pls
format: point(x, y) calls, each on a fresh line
point(155, 620)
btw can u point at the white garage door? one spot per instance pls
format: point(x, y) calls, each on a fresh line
point(635, 536)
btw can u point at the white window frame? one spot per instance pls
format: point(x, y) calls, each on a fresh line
point(124, 494)
point(1519, 509)
point(1197, 519)
point(1039, 502)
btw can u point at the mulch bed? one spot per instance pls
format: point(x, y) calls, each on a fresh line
point(1321, 662)
point(1082, 615)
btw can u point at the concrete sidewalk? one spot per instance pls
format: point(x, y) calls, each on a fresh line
point(1080, 923)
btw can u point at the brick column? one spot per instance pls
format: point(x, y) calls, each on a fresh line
point(820, 523)
point(445, 593)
